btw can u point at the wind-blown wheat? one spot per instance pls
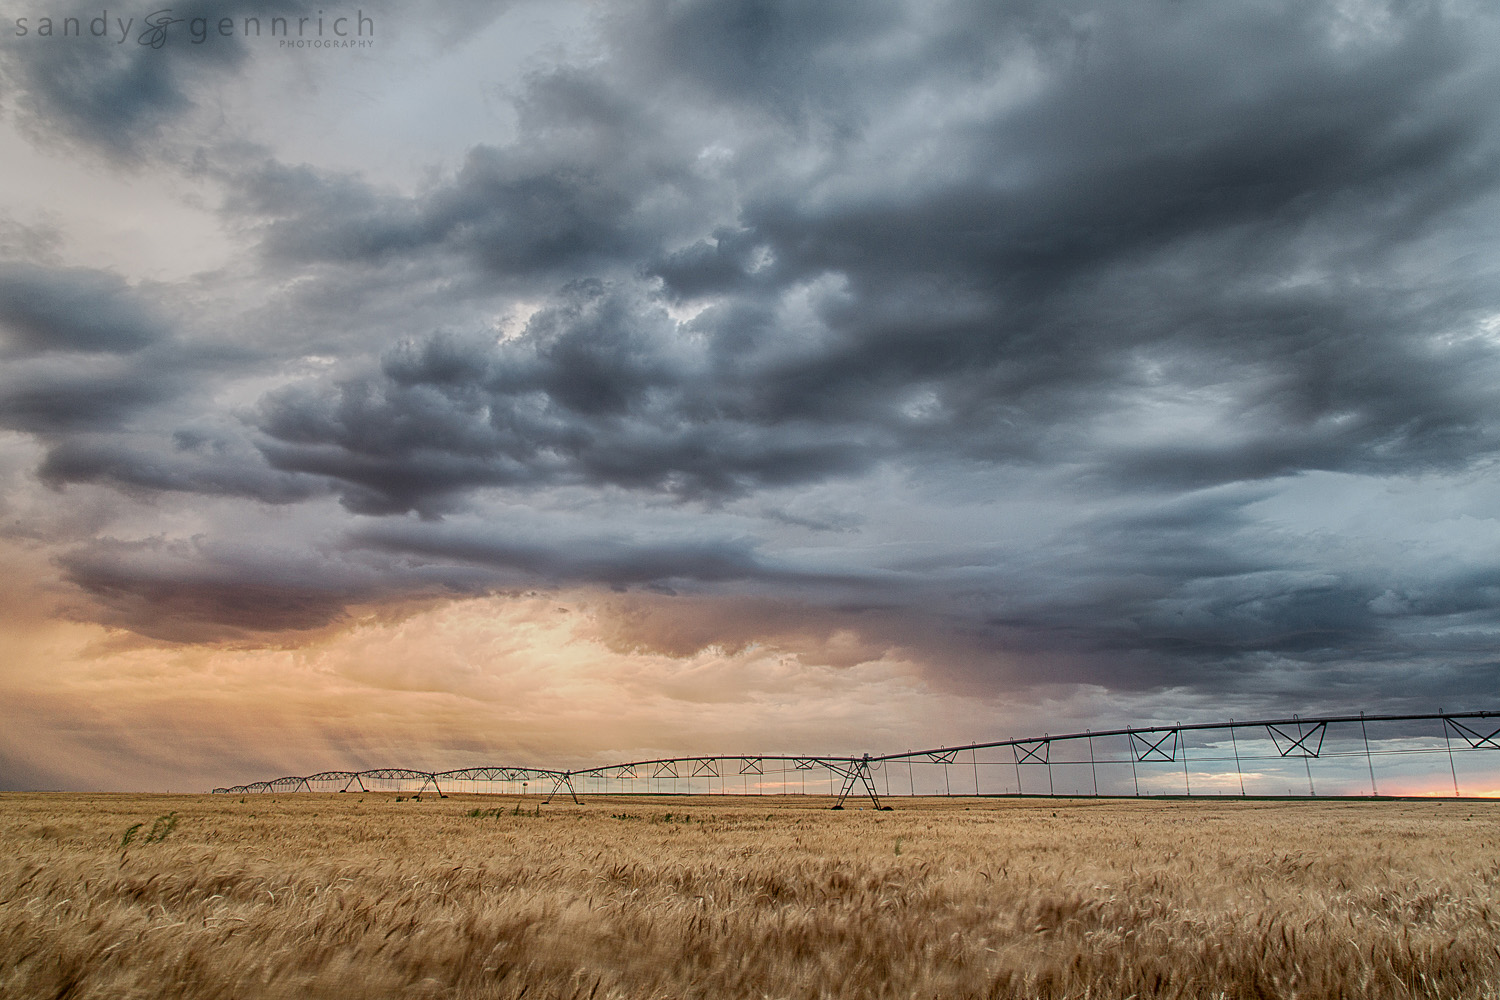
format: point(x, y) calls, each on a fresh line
point(360, 896)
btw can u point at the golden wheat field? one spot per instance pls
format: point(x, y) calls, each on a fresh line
point(364, 895)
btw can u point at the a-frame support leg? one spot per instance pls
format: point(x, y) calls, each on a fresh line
point(858, 773)
point(561, 781)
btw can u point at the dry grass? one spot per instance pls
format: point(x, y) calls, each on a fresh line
point(359, 895)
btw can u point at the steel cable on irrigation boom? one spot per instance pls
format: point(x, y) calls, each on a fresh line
point(1270, 748)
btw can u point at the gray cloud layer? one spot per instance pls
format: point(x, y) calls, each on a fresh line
point(1161, 263)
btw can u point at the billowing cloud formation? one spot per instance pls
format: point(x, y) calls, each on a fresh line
point(1135, 348)
point(991, 262)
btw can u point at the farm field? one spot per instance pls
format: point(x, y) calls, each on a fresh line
point(367, 895)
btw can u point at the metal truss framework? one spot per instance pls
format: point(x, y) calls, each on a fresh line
point(1265, 745)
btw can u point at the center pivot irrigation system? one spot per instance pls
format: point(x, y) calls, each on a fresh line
point(1267, 758)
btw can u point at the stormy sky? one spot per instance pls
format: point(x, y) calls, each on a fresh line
point(547, 382)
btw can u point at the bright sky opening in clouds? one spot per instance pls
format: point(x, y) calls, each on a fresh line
point(557, 384)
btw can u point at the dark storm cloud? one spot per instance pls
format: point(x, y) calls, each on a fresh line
point(66, 395)
point(45, 309)
point(201, 592)
point(796, 61)
point(206, 591)
point(598, 391)
point(1168, 258)
point(84, 355)
point(590, 184)
point(1151, 139)
point(93, 366)
point(1143, 215)
point(614, 561)
point(1197, 593)
point(207, 465)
